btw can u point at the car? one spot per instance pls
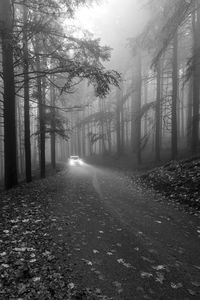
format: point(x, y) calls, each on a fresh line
point(75, 160)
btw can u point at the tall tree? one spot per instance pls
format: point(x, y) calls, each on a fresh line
point(118, 121)
point(41, 114)
point(196, 77)
point(138, 100)
point(136, 106)
point(174, 135)
point(27, 142)
point(158, 112)
point(10, 151)
point(53, 127)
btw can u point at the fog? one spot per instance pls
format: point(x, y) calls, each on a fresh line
point(114, 22)
point(99, 149)
point(131, 105)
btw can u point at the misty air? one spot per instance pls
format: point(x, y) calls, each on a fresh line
point(99, 149)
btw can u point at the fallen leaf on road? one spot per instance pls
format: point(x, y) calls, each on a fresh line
point(146, 275)
point(35, 279)
point(160, 277)
point(118, 286)
point(122, 261)
point(159, 267)
point(98, 291)
point(5, 266)
point(89, 263)
point(147, 259)
point(195, 283)
point(71, 286)
point(176, 285)
point(95, 251)
point(191, 292)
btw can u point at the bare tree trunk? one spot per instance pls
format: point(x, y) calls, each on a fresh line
point(10, 147)
point(1, 141)
point(189, 113)
point(20, 131)
point(133, 119)
point(158, 115)
point(41, 119)
point(109, 136)
point(53, 128)
point(145, 102)
point(196, 78)
point(101, 110)
point(1, 153)
point(136, 110)
point(118, 122)
point(108, 130)
point(78, 135)
point(122, 127)
point(27, 142)
point(83, 137)
point(174, 133)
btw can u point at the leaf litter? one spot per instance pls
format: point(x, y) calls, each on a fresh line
point(44, 277)
point(125, 264)
point(179, 181)
point(29, 263)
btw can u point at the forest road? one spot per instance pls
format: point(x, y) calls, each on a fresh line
point(126, 242)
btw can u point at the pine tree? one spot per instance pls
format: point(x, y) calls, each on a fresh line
point(10, 148)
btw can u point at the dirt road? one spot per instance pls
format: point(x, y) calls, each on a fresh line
point(93, 233)
point(125, 242)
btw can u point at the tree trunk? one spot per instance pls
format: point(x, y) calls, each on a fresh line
point(189, 113)
point(145, 102)
point(138, 108)
point(20, 148)
point(196, 78)
point(122, 126)
point(10, 147)
point(118, 123)
point(1, 151)
point(108, 132)
point(53, 128)
point(83, 136)
point(102, 133)
point(136, 111)
point(41, 119)
point(158, 115)
point(27, 142)
point(174, 134)
point(1, 141)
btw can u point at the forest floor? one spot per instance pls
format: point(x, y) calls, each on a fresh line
point(98, 233)
point(179, 181)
